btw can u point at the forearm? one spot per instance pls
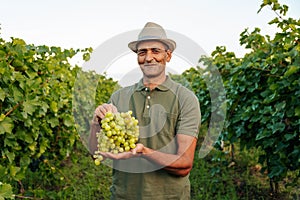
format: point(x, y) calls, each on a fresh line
point(177, 164)
point(95, 128)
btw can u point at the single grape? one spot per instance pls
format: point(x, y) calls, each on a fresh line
point(97, 162)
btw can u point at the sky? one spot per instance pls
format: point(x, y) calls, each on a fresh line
point(89, 23)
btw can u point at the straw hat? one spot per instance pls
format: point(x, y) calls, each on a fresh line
point(153, 31)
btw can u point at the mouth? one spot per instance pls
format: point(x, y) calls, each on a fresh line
point(150, 65)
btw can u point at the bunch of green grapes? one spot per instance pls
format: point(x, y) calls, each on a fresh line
point(119, 133)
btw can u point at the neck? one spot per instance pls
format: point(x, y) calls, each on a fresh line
point(151, 83)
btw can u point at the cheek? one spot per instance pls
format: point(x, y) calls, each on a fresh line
point(140, 60)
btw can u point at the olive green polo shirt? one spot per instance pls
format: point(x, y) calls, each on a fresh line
point(167, 110)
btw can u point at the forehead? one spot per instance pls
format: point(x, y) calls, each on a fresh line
point(150, 44)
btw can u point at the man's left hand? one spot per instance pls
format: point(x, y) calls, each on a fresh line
point(136, 152)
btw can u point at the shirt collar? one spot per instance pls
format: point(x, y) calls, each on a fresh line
point(165, 86)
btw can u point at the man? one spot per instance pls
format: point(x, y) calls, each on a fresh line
point(169, 120)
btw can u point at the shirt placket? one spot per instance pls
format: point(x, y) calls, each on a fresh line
point(147, 102)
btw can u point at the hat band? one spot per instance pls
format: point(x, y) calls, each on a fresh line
point(149, 37)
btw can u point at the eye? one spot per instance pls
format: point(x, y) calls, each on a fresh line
point(156, 50)
point(141, 52)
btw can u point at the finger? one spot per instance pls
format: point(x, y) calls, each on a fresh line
point(114, 108)
point(107, 154)
point(117, 156)
point(138, 149)
point(98, 113)
point(102, 110)
point(133, 151)
point(105, 108)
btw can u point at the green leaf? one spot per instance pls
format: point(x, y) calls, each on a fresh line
point(32, 146)
point(273, 86)
point(29, 107)
point(10, 156)
point(68, 121)
point(262, 134)
point(72, 139)
point(3, 172)
point(44, 107)
point(28, 138)
point(53, 122)
point(268, 142)
point(13, 170)
point(2, 117)
point(86, 56)
point(2, 54)
point(6, 124)
point(274, 70)
point(2, 94)
point(43, 145)
point(32, 75)
point(297, 111)
point(11, 142)
point(289, 136)
point(291, 70)
point(18, 96)
point(25, 161)
point(280, 105)
point(53, 106)
point(2, 69)
point(278, 127)
point(18, 42)
point(277, 169)
point(5, 191)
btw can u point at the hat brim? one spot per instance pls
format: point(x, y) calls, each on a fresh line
point(170, 43)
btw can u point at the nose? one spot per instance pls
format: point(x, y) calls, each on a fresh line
point(149, 56)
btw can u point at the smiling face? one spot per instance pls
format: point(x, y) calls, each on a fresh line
point(152, 57)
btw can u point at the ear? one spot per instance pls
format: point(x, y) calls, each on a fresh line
point(169, 55)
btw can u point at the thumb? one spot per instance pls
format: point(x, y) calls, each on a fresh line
point(138, 149)
point(133, 151)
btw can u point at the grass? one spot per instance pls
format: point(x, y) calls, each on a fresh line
point(74, 179)
point(214, 177)
point(217, 176)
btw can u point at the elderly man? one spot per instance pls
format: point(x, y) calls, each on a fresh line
point(169, 119)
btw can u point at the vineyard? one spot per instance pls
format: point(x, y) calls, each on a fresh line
point(45, 117)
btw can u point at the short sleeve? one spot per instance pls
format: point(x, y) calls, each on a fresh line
point(189, 119)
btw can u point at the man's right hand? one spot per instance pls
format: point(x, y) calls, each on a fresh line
point(99, 114)
point(101, 110)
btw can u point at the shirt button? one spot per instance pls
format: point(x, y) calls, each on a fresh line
point(148, 97)
point(147, 106)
